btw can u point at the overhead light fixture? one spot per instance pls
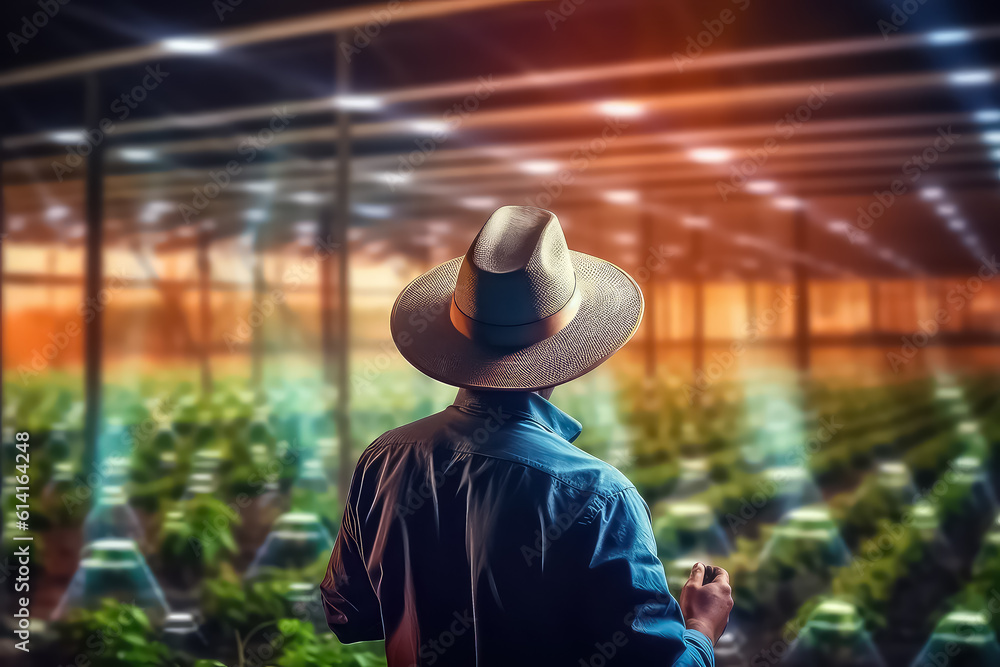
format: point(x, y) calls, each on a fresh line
point(426, 240)
point(788, 203)
point(946, 209)
point(58, 212)
point(306, 227)
point(838, 226)
point(621, 197)
point(357, 102)
point(943, 37)
point(394, 177)
point(971, 77)
point(621, 108)
point(137, 154)
point(761, 187)
point(539, 166)
point(987, 116)
point(956, 224)
point(373, 210)
point(307, 198)
point(429, 126)
point(696, 221)
point(152, 211)
point(439, 227)
point(995, 155)
point(478, 202)
point(710, 155)
point(255, 215)
point(67, 136)
point(932, 193)
point(376, 248)
point(991, 137)
point(194, 45)
point(263, 187)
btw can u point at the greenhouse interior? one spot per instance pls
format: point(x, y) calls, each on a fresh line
point(208, 210)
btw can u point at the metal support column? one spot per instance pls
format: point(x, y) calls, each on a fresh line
point(205, 309)
point(800, 234)
point(342, 206)
point(698, 337)
point(94, 276)
point(257, 334)
point(652, 338)
point(3, 237)
point(873, 306)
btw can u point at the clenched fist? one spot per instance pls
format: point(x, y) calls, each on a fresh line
point(707, 601)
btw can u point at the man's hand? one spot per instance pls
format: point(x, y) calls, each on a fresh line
point(706, 606)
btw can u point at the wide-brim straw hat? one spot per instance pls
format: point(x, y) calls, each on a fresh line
point(519, 312)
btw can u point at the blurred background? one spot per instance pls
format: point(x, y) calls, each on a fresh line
point(208, 209)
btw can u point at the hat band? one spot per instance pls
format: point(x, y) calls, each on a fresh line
point(515, 335)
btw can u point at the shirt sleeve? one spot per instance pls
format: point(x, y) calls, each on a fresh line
point(630, 608)
point(352, 608)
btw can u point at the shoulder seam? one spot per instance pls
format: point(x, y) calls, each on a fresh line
point(513, 458)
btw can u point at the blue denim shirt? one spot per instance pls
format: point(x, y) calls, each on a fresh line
point(480, 536)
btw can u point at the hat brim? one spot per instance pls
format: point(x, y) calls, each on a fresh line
point(610, 311)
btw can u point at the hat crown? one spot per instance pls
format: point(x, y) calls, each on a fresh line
point(518, 269)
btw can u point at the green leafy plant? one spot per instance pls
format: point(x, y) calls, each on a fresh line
point(113, 635)
point(232, 606)
point(304, 648)
point(197, 538)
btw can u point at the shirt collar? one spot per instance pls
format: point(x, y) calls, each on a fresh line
point(525, 404)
